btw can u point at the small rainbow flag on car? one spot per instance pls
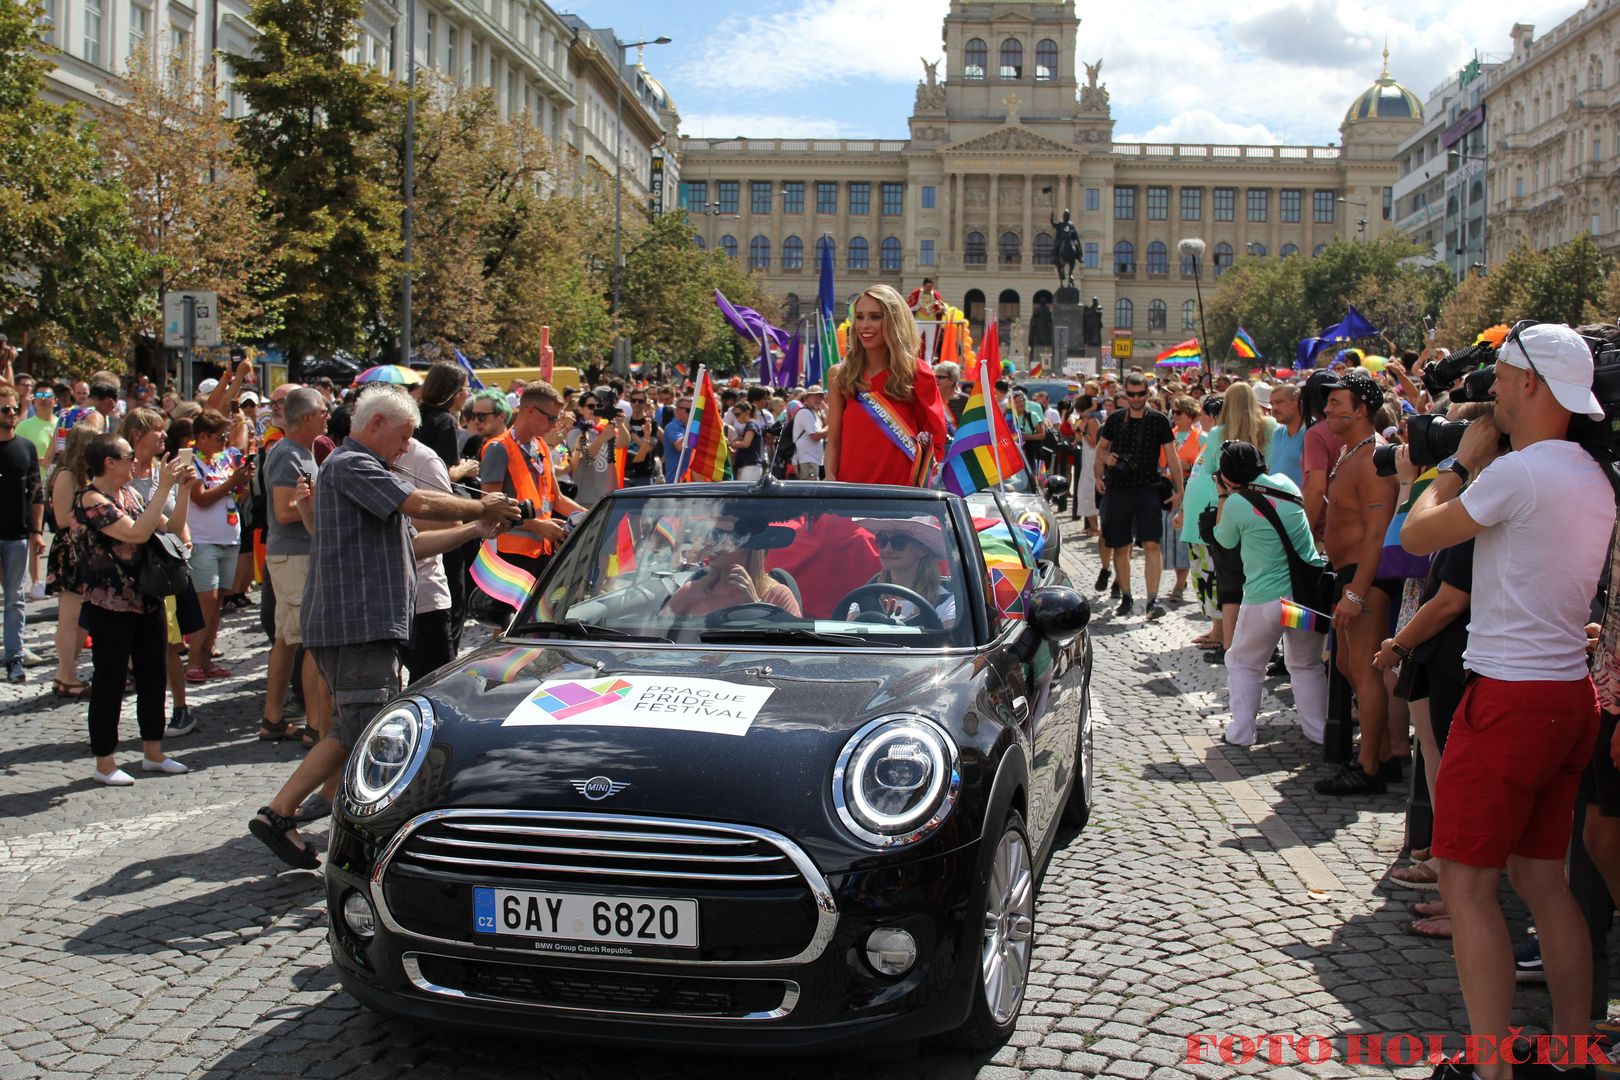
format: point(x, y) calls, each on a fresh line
point(1243, 345)
point(500, 579)
point(1298, 617)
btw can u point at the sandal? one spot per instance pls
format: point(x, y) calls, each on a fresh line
point(1421, 854)
point(310, 738)
point(1431, 909)
point(1416, 876)
point(272, 828)
point(214, 671)
point(1438, 927)
point(195, 676)
point(1207, 643)
point(278, 730)
point(69, 689)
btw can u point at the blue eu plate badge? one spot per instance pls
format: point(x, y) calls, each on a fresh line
point(484, 910)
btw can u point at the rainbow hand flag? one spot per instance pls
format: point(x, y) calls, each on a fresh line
point(706, 456)
point(983, 450)
point(1298, 617)
point(500, 579)
point(1243, 345)
point(1187, 350)
point(623, 559)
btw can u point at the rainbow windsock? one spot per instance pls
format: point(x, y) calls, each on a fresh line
point(1298, 617)
point(1243, 345)
point(500, 579)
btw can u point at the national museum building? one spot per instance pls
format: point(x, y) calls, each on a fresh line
point(1003, 141)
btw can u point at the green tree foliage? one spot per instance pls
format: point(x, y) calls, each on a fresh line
point(1281, 301)
point(310, 136)
point(72, 278)
point(1571, 283)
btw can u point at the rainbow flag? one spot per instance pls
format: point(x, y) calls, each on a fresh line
point(1299, 617)
point(706, 456)
point(623, 559)
point(669, 531)
point(500, 579)
point(983, 449)
point(1244, 345)
point(1187, 350)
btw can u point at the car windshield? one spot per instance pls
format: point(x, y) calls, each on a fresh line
point(759, 569)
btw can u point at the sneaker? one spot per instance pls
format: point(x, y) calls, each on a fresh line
point(1113, 591)
point(1390, 771)
point(33, 659)
point(1154, 611)
point(14, 670)
point(38, 591)
point(1527, 962)
point(1102, 580)
point(1124, 607)
point(116, 778)
point(182, 722)
point(1351, 779)
point(168, 766)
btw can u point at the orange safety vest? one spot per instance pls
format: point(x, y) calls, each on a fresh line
point(543, 495)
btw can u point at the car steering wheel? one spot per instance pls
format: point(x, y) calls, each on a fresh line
point(927, 617)
point(749, 614)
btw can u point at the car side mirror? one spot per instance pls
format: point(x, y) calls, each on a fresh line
point(1057, 487)
point(1058, 612)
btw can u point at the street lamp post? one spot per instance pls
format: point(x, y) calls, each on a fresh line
point(409, 223)
point(1463, 205)
point(618, 159)
point(1361, 225)
point(1193, 248)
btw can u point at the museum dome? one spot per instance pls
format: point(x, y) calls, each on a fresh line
point(1385, 99)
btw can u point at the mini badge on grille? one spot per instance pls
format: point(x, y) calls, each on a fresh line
point(598, 788)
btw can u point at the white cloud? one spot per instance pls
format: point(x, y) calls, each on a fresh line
point(823, 41)
point(720, 125)
point(1202, 126)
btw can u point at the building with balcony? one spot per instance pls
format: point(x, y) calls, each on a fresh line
point(622, 109)
point(1440, 193)
point(1553, 157)
point(1010, 136)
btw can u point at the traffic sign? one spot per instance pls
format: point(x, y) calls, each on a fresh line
point(206, 316)
point(1123, 345)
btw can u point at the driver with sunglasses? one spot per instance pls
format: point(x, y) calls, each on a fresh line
point(1541, 517)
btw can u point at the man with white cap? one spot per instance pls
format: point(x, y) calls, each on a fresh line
point(1524, 731)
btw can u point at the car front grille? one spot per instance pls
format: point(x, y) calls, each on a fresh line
point(616, 993)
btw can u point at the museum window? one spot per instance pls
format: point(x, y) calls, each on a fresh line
point(1317, 250)
point(1012, 59)
point(759, 253)
point(1124, 314)
point(1158, 314)
point(925, 252)
point(894, 198)
point(1189, 313)
point(1322, 207)
point(975, 58)
point(1091, 256)
point(1124, 257)
point(1046, 60)
point(1389, 203)
point(1289, 249)
point(1192, 203)
point(1158, 258)
point(1008, 249)
point(1259, 204)
point(729, 193)
point(759, 196)
point(826, 197)
point(697, 238)
point(858, 253)
point(929, 196)
point(1044, 250)
point(889, 254)
point(860, 198)
point(793, 197)
point(728, 244)
point(1225, 203)
point(1257, 249)
point(1158, 204)
point(793, 253)
point(973, 250)
point(1124, 203)
point(695, 196)
point(1223, 258)
point(1288, 204)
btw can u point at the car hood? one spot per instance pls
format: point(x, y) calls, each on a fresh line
point(775, 774)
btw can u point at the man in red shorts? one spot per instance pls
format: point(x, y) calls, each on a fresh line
point(1542, 514)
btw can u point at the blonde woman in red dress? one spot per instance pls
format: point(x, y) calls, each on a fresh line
point(884, 399)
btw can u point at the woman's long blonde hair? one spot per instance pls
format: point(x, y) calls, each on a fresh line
point(899, 333)
point(1241, 418)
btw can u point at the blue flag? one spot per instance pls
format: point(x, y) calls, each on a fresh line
point(473, 381)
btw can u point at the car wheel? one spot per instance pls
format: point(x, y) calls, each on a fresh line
point(1077, 811)
point(1007, 942)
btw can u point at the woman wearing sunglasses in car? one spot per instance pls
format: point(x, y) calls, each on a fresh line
point(734, 555)
point(909, 550)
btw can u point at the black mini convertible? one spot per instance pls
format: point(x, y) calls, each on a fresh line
point(767, 767)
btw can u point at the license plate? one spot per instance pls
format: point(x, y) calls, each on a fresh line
point(629, 920)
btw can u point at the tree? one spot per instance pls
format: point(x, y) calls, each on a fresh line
point(335, 224)
point(1570, 283)
point(552, 273)
point(71, 275)
point(195, 206)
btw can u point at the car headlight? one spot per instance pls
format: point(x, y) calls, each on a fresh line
point(896, 780)
point(388, 755)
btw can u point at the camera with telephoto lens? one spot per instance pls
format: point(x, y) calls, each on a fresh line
point(525, 510)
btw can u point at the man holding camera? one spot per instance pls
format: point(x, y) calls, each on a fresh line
point(1127, 473)
point(1543, 514)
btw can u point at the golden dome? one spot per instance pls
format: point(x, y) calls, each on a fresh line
point(1385, 99)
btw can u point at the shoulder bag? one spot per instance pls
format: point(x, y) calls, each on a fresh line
point(1312, 586)
point(160, 569)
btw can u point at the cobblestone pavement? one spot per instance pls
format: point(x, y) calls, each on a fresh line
point(144, 933)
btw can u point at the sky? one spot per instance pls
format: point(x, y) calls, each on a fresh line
point(1176, 70)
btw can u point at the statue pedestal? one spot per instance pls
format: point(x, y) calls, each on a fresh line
point(1068, 314)
point(1067, 294)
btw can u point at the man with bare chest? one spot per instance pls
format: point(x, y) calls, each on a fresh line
point(1360, 504)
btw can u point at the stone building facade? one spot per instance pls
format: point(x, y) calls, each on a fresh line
point(1005, 140)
